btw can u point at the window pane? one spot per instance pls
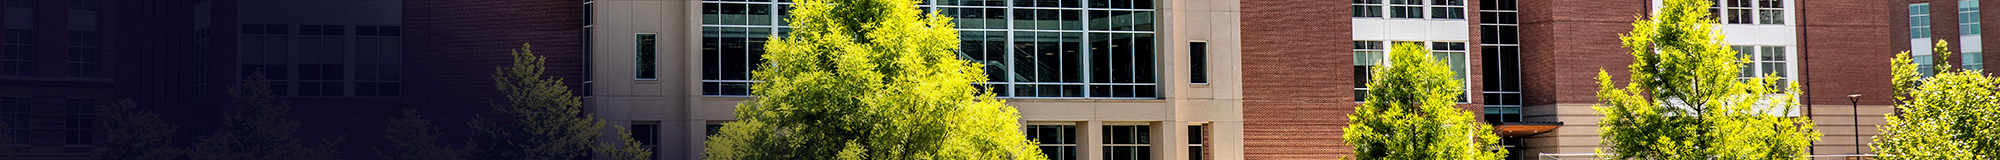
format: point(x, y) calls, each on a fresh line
point(1771, 16)
point(644, 57)
point(1198, 62)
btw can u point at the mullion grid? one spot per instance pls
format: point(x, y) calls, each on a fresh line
point(1502, 55)
point(773, 25)
point(1134, 138)
point(1968, 17)
point(1011, 31)
point(1750, 12)
point(1920, 26)
point(1084, 34)
point(1761, 60)
point(1361, 88)
point(1061, 138)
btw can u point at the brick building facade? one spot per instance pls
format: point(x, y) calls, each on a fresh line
point(1227, 79)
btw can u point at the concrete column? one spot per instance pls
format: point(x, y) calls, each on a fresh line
point(1169, 140)
point(1226, 140)
point(1090, 140)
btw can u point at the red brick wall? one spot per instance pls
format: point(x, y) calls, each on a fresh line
point(1846, 51)
point(1565, 42)
point(1297, 57)
point(454, 46)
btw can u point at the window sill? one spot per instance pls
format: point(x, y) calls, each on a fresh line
point(1198, 85)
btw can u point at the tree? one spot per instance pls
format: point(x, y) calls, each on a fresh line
point(1949, 116)
point(414, 139)
point(1409, 113)
point(257, 129)
point(547, 122)
point(870, 79)
point(136, 134)
point(1686, 101)
point(628, 149)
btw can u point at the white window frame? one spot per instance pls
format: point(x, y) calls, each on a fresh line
point(1426, 9)
point(1721, 11)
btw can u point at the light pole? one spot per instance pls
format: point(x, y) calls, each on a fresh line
point(1854, 100)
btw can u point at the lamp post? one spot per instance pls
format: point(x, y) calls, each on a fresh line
point(1854, 100)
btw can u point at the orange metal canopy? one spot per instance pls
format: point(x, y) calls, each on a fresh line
point(1522, 129)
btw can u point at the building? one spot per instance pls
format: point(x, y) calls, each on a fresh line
point(1531, 62)
point(1094, 79)
point(53, 70)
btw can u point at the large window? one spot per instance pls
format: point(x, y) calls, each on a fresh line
point(1058, 141)
point(643, 58)
point(1500, 57)
point(199, 76)
point(378, 61)
point(1127, 142)
point(1749, 11)
point(80, 122)
point(1371, 54)
point(15, 111)
point(1413, 9)
point(1920, 21)
point(1765, 60)
point(17, 53)
point(267, 48)
point(1032, 48)
point(322, 60)
point(733, 37)
point(82, 54)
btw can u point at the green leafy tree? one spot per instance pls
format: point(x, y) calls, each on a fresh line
point(626, 149)
point(870, 79)
point(547, 122)
point(414, 139)
point(1409, 113)
point(136, 134)
point(7, 152)
point(257, 129)
point(1951, 116)
point(1686, 101)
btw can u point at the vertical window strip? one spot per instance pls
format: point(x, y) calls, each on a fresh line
point(1198, 62)
point(1968, 17)
point(1500, 61)
point(1920, 21)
